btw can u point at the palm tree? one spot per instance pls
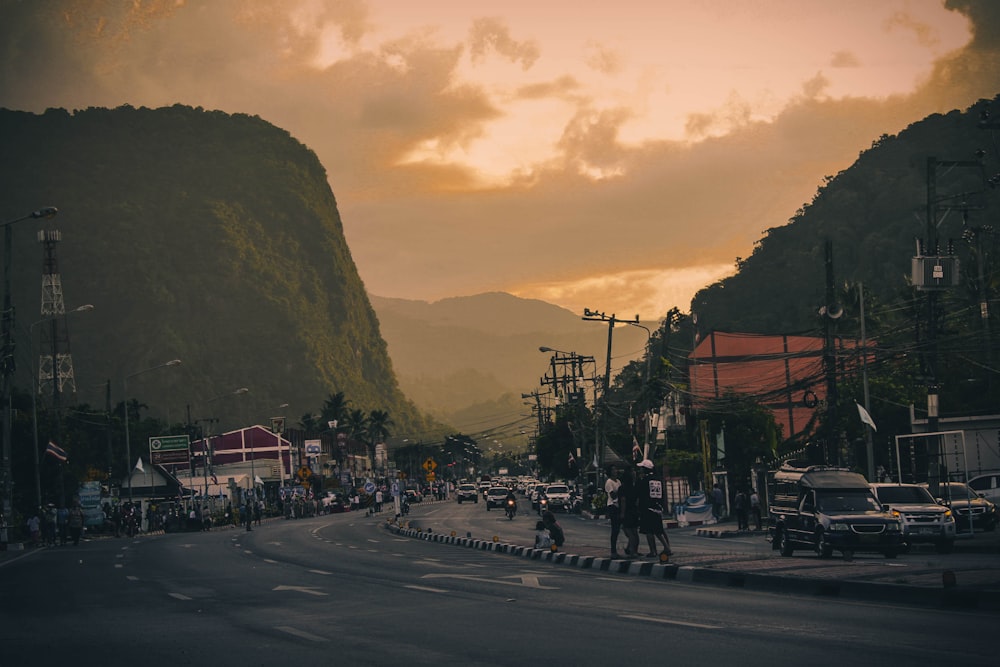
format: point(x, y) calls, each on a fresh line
point(334, 409)
point(379, 423)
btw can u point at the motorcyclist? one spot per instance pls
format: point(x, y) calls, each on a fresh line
point(511, 498)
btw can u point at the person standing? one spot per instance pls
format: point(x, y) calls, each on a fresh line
point(741, 505)
point(75, 523)
point(611, 487)
point(62, 524)
point(651, 509)
point(755, 509)
point(717, 500)
point(247, 514)
point(628, 498)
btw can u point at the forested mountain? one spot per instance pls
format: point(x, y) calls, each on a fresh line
point(203, 236)
point(873, 213)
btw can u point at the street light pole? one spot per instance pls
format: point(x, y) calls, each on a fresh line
point(128, 446)
point(7, 358)
point(35, 389)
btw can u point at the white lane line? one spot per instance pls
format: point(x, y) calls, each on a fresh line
point(425, 588)
point(301, 634)
point(118, 566)
point(178, 596)
point(667, 621)
point(320, 572)
point(268, 560)
point(131, 578)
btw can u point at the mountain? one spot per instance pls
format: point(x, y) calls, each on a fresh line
point(467, 360)
point(203, 236)
point(873, 214)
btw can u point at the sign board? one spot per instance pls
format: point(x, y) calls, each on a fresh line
point(369, 487)
point(430, 465)
point(395, 490)
point(313, 447)
point(431, 477)
point(277, 424)
point(170, 449)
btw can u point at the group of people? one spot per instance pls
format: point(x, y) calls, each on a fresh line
point(52, 526)
point(635, 506)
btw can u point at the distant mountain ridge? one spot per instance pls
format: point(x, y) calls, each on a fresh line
point(482, 350)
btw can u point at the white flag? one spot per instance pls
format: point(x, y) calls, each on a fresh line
point(258, 480)
point(865, 417)
point(138, 465)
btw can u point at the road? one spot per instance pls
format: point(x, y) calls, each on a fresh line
point(342, 589)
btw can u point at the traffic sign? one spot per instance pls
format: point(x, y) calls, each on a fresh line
point(430, 465)
point(170, 449)
point(431, 477)
point(369, 487)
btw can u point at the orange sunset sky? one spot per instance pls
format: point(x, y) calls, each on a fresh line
point(611, 155)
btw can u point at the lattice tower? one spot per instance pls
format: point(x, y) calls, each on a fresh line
point(55, 364)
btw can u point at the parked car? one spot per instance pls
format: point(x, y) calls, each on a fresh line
point(924, 519)
point(824, 509)
point(988, 486)
point(414, 496)
point(334, 503)
point(467, 492)
point(495, 495)
point(967, 505)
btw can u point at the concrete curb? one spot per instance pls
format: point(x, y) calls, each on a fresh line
point(956, 597)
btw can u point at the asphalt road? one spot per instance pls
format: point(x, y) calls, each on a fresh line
point(343, 590)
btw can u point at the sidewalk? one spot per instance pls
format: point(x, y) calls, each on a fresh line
point(916, 578)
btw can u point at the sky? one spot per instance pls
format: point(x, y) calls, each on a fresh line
point(612, 156)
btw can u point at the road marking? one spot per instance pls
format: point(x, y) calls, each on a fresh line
point(667, 621)
point(301, 634)
point(185, 546)
point(178, 596)
point(131, 578)
point(119, 555)
point(425, 588)
point(320, 572)
point(301, 589)
point(371, 540)
point(272, 562)
point(118, 566)
point(526, 581)
point(247, 551)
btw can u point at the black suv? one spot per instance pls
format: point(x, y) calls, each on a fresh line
point(826, 509)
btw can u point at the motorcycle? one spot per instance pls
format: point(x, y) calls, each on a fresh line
point(543, 505)
point(510, 508)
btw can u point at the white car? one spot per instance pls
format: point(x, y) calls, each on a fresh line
point(558, 497)
point(988, 486)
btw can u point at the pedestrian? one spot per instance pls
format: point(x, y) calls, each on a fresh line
point(717, 501)
point(75, 523)
point(741, 505)
point(651, 509)
point(49, 525)
point(755, 508)
point(258, 511)
point(611, 488)
point(378, 501)
point(248, 515)
point(628, 497)
point(555, 530)
point(62, 521)
point(542, 538)
point(34, 525)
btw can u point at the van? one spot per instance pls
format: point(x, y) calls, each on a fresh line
point(826, 509)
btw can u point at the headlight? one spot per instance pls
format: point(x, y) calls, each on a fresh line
point(893, 527)
point(839, 527)
point(895, 514)
point(948, 516)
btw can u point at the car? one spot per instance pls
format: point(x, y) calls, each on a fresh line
point(557, 496)
point(967, 505)
point(824, 508)
point(987, 486)
point(334, 503)
point(467, 492)
point(924, 519)
point(413, 496)
point(495, 495)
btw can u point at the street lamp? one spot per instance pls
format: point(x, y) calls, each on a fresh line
point(36, 388)
point(128, 447)
point(207, 438)
point(7, 357)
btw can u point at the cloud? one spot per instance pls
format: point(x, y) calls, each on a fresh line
point(844, 59)
point(492, 35)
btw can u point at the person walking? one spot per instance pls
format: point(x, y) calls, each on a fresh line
point(247, 514)
point(651, 509)
point(717, 501)
point(62, 524)
point(611, 487)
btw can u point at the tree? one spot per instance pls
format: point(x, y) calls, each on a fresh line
point(378, 429)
